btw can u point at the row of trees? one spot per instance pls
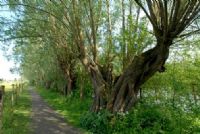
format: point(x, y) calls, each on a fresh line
point(110, 43)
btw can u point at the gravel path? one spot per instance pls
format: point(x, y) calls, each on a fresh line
point(46, 121)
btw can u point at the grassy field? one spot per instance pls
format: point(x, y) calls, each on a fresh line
point(16, 114)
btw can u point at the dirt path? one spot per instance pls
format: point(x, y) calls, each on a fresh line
point(46, 121)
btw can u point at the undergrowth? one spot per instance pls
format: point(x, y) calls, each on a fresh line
point(144, 119)
point(147, 117)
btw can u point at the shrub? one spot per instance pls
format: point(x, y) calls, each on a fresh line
point(97, 123)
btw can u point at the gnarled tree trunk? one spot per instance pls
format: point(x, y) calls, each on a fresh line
point(71, 80)
point(168, 19)
point(125, 91)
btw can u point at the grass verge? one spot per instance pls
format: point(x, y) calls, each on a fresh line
point(16, 117)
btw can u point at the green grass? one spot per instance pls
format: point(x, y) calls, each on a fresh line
point(70, 107)
point(16, 118)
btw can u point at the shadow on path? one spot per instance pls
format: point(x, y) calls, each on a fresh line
point(45, 120)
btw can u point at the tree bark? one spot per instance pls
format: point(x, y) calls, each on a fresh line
point(81, 88)
point(99, 85)
point(143, 67)
point(69, 86)
point(71, 80)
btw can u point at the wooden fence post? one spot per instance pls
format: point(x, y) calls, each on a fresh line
point(15, 94)
point(12, 94)
point(2, 91)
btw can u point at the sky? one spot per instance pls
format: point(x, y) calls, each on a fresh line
point(5, 66)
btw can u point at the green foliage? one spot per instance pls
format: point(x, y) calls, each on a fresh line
point(97, 123)
point(143, 119)
point(166, 107)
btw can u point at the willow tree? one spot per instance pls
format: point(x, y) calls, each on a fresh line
point(169, 19)
point(65, 53)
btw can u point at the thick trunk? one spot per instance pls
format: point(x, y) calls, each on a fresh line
point(67, 68)
point(69, 86)
point(69, 75)
point(81, 88)
point(125, 91)
point(48, 84)
point(81, 91)
point(71, 80)
point(99, 85)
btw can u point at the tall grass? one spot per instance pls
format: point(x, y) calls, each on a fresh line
point(16, 113)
